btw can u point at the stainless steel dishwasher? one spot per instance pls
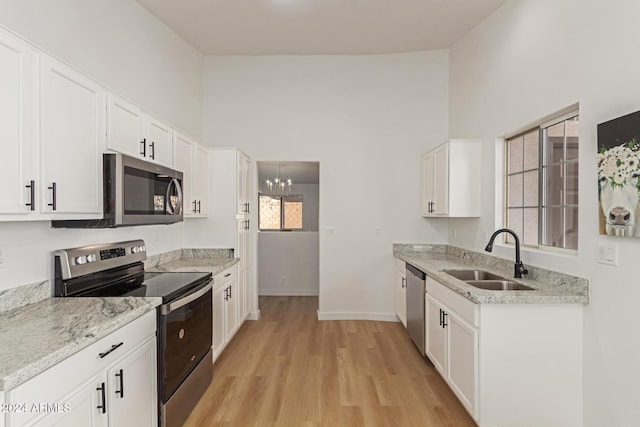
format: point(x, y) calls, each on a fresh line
point(415, 306)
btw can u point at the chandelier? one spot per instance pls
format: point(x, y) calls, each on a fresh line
point(281, 185)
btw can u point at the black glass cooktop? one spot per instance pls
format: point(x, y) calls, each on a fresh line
point(169, 286)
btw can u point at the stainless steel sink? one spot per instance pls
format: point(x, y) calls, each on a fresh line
point(498, 285)
point(484, 280)
point(473, 275)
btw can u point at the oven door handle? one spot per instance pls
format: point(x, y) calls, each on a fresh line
point(168, 308)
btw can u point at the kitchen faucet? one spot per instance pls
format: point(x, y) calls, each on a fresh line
point(519, 269)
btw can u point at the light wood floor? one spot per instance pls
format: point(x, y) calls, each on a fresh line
point(289, 369)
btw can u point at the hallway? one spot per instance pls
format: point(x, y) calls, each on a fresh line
point(288, 369)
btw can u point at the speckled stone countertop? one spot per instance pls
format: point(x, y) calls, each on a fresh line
point(207, 260)
point(35, 337)
point(549, 287)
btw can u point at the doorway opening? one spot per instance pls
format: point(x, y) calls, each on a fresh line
point(288, 248)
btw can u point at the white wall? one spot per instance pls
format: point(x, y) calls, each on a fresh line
point(366, 119)
point(288, 263)
point(119, 44)
point(527, 60)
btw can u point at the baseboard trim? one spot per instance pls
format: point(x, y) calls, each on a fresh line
point(382, 317)
point(254, 315)
point(288, 292)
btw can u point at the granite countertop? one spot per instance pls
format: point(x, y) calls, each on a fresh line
point(37, 336)
point(183, 260)
point(212, 265)
point(549, 287)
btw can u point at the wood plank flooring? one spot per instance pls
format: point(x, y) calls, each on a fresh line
point(289, 369)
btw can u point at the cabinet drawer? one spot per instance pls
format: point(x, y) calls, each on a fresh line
point(58, 382)
point(465, 308)
point(224, 277)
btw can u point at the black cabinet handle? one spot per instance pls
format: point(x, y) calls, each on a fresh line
point(153, 150)
point(230, 296)
point(54, 195)
point(106, 353)
point(440, 317)
point(246, 224)
point(120, 374)
point(404, 282)
point(32, 196)
point(444, 319)
point(144, 147)
point(103, 399)
point(194, 207)
point(246, 207)
point(199, 211)
point(226, 294)
point(227, 275)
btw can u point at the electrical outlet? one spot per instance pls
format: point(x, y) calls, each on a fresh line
point(378, 232)
point(331, 232)
point(4, 257)
point(608, 254)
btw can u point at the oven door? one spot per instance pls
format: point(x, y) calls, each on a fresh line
point(184, 337)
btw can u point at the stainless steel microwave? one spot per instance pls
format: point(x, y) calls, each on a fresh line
point(135, 192)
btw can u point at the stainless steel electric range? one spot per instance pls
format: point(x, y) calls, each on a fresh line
point(184, 318)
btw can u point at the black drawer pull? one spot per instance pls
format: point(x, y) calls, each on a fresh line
point(113, 348)
point(120, 374)
point(144, 147)
point(102, 399)
point(54, 196)
point(32, 196)
point(227, 275)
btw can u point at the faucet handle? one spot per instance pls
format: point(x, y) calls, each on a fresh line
point(522, 269)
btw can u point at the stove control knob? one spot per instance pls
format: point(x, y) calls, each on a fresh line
point(80, 260)
point(92, 258)
point(135, 249)
point(143, 248)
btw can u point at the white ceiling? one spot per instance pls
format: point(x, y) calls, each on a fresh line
point(314, 27)
point(299, 172)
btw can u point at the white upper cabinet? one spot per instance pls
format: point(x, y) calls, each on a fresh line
point(159, 141)
point(451, 179)
point(17, 143)
point(242, 184)
point(193, 160)
point(200, 181)
point(132, 132)
point(71, 140)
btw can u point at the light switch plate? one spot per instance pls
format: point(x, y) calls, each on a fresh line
point(608, 254)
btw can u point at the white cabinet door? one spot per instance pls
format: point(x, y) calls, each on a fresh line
point(219, 318)
point(72, 120)
point(132, 132)
point(159, 142)
point(83, 408)
point(125, 127)
point(427, 183)
point(401, 292)
point(232, 320)
point(462, 362)
point(441, 180)
point(182, 152)
point(200, 179)
point(132, 388)
point(85, 404)
point(435, 342)
point(242, 182)
point(17, 146)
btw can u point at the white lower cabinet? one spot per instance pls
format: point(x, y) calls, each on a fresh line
point(226, 306)
point(508, 364)
point(452, 342)
point(401, 292)
point(110, 383)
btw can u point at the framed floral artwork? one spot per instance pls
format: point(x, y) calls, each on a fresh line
point(618, 173)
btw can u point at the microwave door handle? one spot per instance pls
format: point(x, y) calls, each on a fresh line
point(170, 208)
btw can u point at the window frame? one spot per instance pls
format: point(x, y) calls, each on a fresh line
point(283, 198)
point(542, 223)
